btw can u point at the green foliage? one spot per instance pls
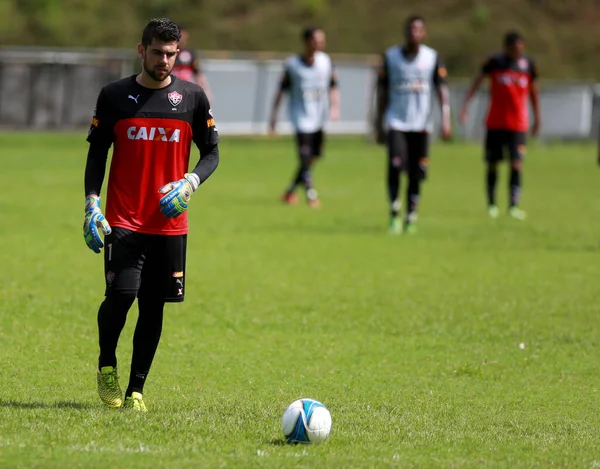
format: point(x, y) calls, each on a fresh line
point(314, 7)
point(412, 342)
point(562, 35)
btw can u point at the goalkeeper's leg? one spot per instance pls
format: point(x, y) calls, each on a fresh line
point(123, 260)
point(111, 320)
point(145, 341)
point(162, 280)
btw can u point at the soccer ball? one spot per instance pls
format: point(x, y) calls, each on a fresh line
point(306, 421)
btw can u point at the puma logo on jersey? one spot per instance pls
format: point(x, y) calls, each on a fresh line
point(153, 133)
point(134, 98)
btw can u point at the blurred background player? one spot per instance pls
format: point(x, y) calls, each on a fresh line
point(513, 78)
point(311, 82)
point(151, 119)
point(404, 103)
point(187, 65)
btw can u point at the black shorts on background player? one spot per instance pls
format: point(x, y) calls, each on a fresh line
point(145, 265)
point(496, 141)
point(310, 144)
point(408, 151)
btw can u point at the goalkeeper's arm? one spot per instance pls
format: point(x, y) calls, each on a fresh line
point(209, 160)
point(95, 169)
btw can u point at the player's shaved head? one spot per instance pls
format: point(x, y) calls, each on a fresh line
point(309, 32)
point(160, 29)
point(514, 44)
point(511, 38)
point(414, 31)
point(412, 19)
point(314, 39)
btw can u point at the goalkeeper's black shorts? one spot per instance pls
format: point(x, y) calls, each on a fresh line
point(147, 265)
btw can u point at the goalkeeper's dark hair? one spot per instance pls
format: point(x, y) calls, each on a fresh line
point(161, 29)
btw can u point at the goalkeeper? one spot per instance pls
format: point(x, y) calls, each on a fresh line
point(150, 120)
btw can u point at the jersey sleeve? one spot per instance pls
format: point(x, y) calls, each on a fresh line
point(203, 127)
point(382, 72)
point(286, 81)
point(439, 73)
point(533, 71)
point(103, 122)
point(333, 80)
point(488, 66)
point(196, 63)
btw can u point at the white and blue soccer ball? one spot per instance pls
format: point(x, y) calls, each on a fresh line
point(306, 421)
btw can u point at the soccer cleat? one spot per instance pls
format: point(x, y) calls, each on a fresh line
point(314, 203)
point(410, 226)
point(493, 211)
point(289, 198)
point(135, 402)
point(395, 225)
point(108, 387)
point(517, 213)
point(312, 197)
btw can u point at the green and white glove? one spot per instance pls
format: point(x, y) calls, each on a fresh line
point(178, 194)
point(94, 220)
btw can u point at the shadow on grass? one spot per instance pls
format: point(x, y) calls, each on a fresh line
point(278, 442)
point(44, 405)
point(343, 228)
point(283, 442)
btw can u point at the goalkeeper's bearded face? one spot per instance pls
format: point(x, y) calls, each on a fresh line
point(158, 58)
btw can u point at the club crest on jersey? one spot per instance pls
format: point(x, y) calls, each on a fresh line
point(522, 63)
point(174, 98)
point(185, 57)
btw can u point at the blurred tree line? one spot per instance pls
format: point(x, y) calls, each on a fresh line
point(561, 34)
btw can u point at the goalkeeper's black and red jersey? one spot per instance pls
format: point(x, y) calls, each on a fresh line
point(152, 131)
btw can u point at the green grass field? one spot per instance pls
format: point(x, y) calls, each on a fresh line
point(412, 342)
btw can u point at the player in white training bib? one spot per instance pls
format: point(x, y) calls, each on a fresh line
point(313, 99)
point(407, 77)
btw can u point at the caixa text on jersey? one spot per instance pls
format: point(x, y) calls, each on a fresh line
point(160, 134)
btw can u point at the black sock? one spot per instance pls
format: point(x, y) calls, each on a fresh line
point(112, 315)
point(515, 187)
point(393, 186)
point(492, 176)
point(145, 341)
point(413, 193)
point(303, 177)
point(307, 174)
point(296, 181)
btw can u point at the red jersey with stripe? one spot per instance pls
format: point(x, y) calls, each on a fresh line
point(509, 92)
point(187, 66)
point(152, 131)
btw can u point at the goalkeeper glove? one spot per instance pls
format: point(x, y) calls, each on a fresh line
point(94, 220)
point(178, 194)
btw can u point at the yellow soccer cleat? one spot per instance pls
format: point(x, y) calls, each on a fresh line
point(493, 211)
point(395, 226)
point(108, 387)
point(135, 402)
point(517, 213)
